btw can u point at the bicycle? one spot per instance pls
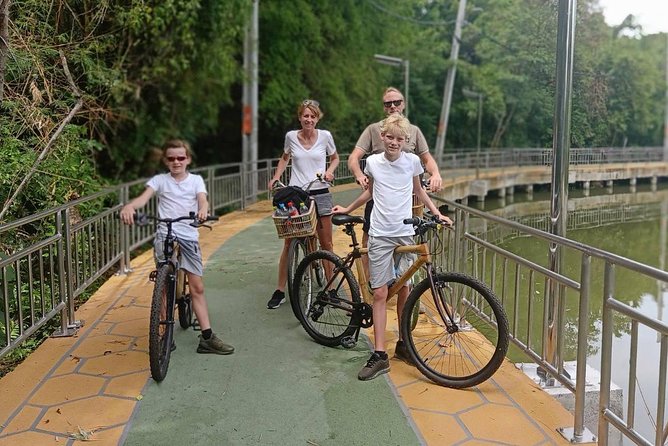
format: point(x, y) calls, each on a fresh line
point(169, 292)
point(301, 230)
point(460, 339)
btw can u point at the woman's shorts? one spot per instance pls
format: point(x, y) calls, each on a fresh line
point(324, 203)
point(191, 255)
point(384, 264)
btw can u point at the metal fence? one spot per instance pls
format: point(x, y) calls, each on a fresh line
point(480, 245)
point(60, 253)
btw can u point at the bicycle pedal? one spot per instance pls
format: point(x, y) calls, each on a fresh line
point(348, 342)
point(152, 275)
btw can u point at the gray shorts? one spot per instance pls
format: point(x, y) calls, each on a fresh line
point(324, 203)
point(384, 264)
point(191, 255)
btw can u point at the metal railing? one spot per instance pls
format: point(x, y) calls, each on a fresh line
point(60, 253)
point(481, 245)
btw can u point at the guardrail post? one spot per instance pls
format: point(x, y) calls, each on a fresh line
point(606, 355)
point(123, 196)
point(68, 324)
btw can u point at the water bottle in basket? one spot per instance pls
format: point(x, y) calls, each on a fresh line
point(292, 210)
point(303, 209)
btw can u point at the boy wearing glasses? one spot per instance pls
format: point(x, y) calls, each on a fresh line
point(179, 193)
point(394, 176)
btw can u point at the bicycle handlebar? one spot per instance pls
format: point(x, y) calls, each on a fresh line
point(142, 219)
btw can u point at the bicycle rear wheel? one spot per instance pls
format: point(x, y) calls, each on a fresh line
point(296, 253)
point(462, 337)
point(325, 308)
point(161, 324)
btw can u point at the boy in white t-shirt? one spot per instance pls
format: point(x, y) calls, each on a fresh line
point(393, 178)
point(179, 193)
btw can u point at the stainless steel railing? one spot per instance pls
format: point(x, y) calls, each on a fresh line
point(479, 246)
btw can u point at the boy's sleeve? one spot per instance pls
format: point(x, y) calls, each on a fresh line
point(417, 166)
point(154, 183)
point(199, 185)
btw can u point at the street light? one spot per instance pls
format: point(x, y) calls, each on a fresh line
point(396, 62)
point(479, 96)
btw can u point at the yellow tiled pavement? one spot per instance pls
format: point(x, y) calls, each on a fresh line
point(91, 383)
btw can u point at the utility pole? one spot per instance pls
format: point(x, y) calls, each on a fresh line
point(249, 99)
point(449, 84)
point(4, 42)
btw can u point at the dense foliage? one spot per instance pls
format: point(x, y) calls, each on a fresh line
point(145, 70)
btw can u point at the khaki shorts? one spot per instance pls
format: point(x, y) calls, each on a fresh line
point(384, 264)
point(191, 255)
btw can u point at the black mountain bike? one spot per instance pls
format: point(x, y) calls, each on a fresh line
point(170, 294)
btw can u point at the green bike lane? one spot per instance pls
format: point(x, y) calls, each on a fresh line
point(279, 387)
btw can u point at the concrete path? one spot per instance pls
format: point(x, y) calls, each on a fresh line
point(278, 388)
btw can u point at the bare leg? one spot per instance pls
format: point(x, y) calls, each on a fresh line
point(379, 317)
point(200, 307)
point(283, 266)
point(325, 238)
point(401, 302)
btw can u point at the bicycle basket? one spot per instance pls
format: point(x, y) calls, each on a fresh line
point(418, 207)
point(302, 225)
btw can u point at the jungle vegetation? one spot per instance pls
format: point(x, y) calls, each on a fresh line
point(89, 88)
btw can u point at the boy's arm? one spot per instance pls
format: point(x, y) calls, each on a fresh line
point(128, 211)
point(202, 206)
point(424, 198)
point(282, 164)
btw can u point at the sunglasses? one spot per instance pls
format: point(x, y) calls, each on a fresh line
point(311, 102)
point(171, 159)
point(396, 103)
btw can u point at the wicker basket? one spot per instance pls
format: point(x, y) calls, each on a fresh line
point(302, 225)
point(418, 207)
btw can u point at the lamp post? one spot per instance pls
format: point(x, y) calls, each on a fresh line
point(479, 96)
point(397, 62)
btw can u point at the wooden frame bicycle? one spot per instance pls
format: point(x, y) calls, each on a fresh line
point(459, 341)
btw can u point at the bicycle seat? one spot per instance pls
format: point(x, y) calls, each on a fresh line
point(344, 219)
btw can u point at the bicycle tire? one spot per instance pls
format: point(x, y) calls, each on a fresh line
point(315, 307)
point(297, 250)
point(183, 302)
point(477, 342)
point(161, 325)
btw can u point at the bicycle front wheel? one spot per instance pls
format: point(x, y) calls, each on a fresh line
point(183, 302)
point(161, 324)
point(461, 336)
point(325, 307)
point(296, 253)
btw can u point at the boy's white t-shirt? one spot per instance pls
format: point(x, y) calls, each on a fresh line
point(306, 163)
point(176, 199)
point(392, 193)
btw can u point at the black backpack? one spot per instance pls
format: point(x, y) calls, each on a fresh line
point(290, 193)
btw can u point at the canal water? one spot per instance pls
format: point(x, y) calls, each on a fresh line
point(629, 222)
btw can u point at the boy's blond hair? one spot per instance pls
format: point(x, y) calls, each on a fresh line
point(395, 124)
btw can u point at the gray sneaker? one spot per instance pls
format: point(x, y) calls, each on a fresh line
point(214, 345)
point(401, 352)
point(374, 366)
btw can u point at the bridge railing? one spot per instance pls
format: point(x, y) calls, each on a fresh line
point(594, 282)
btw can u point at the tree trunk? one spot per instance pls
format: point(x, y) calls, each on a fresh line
point(4, 42)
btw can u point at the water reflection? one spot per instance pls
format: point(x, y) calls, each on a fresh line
point(633, 225)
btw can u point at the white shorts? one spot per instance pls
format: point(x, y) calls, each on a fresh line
point(384, 264)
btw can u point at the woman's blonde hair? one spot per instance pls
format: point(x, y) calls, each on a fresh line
point(312, 105)
point(395, 124)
